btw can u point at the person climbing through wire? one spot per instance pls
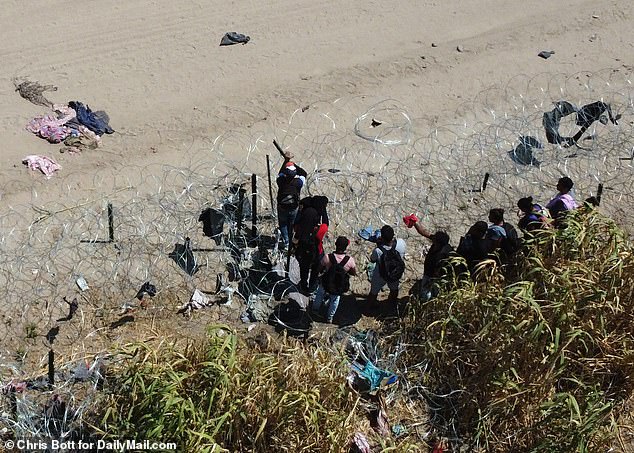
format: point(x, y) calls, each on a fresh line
point(335, 281)
point(389, 257)
point(562, 203)
point(290, 180)
point(437, 257)
point(308, 247)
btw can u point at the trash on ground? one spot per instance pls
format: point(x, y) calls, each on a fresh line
point(231, 38)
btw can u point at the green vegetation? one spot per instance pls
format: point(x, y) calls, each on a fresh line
point(223, 393)
point(537, 359)
point(542, 360)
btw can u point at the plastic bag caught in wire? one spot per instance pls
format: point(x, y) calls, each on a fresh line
point(213, 224)
point(184, 257)
point(523, 152)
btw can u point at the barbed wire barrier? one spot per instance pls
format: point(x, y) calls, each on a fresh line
point(375, 163)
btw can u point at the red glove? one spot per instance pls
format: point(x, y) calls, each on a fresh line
point(410, 220)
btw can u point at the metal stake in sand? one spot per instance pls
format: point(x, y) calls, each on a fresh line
point(483, 187)
point(240, 209)
point(268, 170)
point(110, 230)
point(51, 368)
point(279, 148)
point(599, 193)
point(254, 205)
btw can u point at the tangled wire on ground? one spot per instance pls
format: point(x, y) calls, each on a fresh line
point(374, 170)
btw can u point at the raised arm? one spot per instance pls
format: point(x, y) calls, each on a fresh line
point(300, 171)
point(420, 229)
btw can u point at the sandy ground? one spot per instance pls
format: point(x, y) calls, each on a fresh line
point(156, 67)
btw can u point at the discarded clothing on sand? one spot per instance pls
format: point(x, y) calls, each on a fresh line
point(361, 348)
point(213, 223)
point(523, 152)
point(45, 164)
point(231, 38)
point(147, 288)
point(585, 117)
point(85, 138)
point(183, 255)
point(95, 121)
point(32, 91)
point(51, 128)
point(259, 308)
point(291, 317)
point(595, 111)
point(197, 300)
point(552, 119)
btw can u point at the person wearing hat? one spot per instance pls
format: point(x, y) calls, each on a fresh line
point(562, 202)
point(290, 181)
point(337, 267)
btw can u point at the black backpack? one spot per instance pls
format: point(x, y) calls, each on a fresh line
point(291, 317)
point(391, 264)
point(511, 243)
point(307, 247)
point(336, 280)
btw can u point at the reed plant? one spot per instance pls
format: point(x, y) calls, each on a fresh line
point(539, 358)
point(224, 395)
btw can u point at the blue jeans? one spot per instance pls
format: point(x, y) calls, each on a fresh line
point(286, 220)
point(332, 305)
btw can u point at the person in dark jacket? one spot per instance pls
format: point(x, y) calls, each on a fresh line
point(509, 242)
point(290, 181)
point(308, 247)
point(320, 203)
point(436, 259)
point(474, 246)
point(533, 216)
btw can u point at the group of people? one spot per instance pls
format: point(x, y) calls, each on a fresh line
point(303, 223)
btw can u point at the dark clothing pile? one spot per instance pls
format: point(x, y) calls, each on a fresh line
point(230, 38)
point(95, 121)
point(551, 122)
point(586, 116)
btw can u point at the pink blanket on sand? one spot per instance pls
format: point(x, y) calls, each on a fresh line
point(45, 164)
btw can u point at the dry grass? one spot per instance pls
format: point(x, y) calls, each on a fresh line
point(538, 359)
point(542, 360)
